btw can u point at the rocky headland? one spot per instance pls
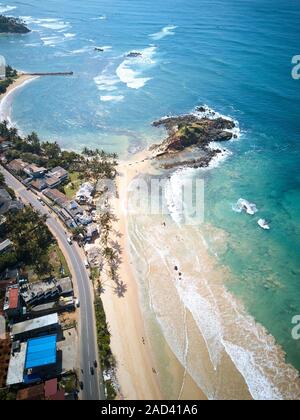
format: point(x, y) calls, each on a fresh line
point(189, 138)
point(12, 25)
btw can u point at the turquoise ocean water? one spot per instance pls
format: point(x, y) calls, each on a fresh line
point(233, 55)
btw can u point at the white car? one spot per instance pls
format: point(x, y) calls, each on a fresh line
point(77, 303)
point(86, 264)
point(70, 241)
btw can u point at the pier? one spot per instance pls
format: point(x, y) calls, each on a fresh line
point(67, 73)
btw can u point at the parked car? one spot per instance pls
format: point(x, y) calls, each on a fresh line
point(95, 364)
point(70, 241)
point(81, 385)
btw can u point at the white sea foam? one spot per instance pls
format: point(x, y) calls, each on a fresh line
point(103, 17)
point(260, 386)
point(105, 48)
point(130, 71)
point(6, 102)
point(166, 31)
point(6, 8)
point(52, 41)
point(54, 25)
point(212, 114)
point(106, 82)
point(111, 98)
point(69, 35)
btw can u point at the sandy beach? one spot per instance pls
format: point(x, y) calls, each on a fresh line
point(196, 334)
point(136, 372)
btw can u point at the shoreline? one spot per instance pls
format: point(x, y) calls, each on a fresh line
point(201, 371)
point(21, 81)
point(136, 373)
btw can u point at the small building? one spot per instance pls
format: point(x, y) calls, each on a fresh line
point(5, 145)
point(92, 232)
point(35, 171)
point(39, 184)
point(33, 393)
point(52, 181)
point(84, 219)
point(41, 358)
point(17, 166)
point(6, 246)
point(33, 361)
point(16, 366)
point(12, 305)
point(56, 196)
point(7, 204)
point(59, 173)
point(45, 391)
point(85, 193)
point(35, 327)
point(38, 293)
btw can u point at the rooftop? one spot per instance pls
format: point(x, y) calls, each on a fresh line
point(33, 168)
point(7, 203)
point(50, 387)
point(17, 165)
point(46, 290)
point(52, 181)
point(41, 352)
point(33, 393)
point(34, 324)
point(16, 366)
point(56, 196)
point(59, 172)
point(13, 298)
point(5, 244)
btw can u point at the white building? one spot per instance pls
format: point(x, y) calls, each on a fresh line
point(2, 67)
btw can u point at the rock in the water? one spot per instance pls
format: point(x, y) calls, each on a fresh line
point(194, 134)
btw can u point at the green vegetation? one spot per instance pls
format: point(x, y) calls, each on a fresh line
point(7, 395)
point(73, 185)
point(58, 262)
point(90, 165)
point(31, 238)
point(11, 75)
point(69, 383)
point(107, 359)
point(12, 25)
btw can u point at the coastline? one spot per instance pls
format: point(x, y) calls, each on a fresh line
point(133, 340)
point(135, 365)
point(135, 359)
point(20, 82)
point(198, 333)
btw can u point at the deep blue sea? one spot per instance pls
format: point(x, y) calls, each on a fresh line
point(233, 55)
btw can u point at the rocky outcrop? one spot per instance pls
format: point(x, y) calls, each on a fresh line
point(11, 25)
point(191, 133)
point(134, 54)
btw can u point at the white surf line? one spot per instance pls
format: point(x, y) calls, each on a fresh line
point(3, 101)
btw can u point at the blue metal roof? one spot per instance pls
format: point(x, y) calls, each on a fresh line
point(41, 351)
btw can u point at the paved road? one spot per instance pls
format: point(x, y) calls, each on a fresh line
point(93, 387)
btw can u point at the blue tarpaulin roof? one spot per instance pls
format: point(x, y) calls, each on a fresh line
point(41, 351)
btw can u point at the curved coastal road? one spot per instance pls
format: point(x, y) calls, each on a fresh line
point(92, 384)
